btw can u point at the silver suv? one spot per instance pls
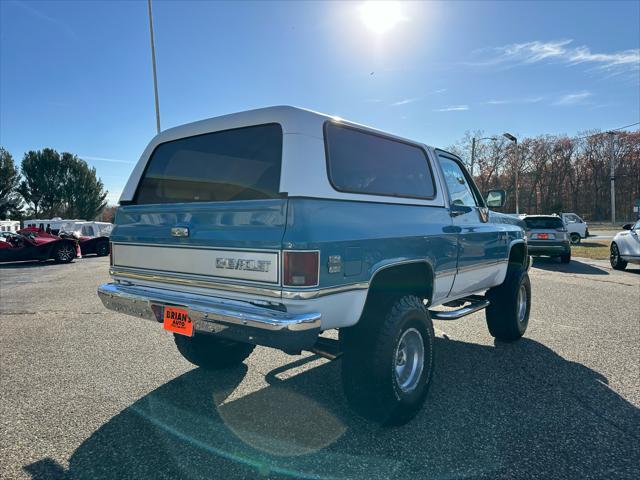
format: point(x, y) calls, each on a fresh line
point(547, 235)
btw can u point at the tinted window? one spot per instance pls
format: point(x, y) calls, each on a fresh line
point(457, 183)
point(240, 164)
point(361, 162)
point(87, 231)
point(543, 222)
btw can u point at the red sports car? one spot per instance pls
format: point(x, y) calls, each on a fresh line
point(16, 247)
point(88, 245)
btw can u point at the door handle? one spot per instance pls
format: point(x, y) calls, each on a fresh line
point(179, 231)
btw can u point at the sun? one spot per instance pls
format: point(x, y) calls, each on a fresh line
point(380, 17)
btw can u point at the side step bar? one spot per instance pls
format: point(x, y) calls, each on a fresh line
point(476, 303)
point(327, 348)
point(330, 349)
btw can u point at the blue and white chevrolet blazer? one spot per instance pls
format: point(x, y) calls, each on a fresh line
point(271, 226)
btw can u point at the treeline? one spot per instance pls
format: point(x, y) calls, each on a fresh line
point(558, 173)
point(49, 184)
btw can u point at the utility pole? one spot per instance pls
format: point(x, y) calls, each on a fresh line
point(474, 141)
point(515, 145)
point(517, 165)
point(153, 62)
point(612, 176)
point(473, 153)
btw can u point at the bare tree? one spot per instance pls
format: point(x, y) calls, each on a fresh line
point(558, 173)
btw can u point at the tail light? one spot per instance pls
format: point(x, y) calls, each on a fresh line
point(110, 254)
point(300, 268)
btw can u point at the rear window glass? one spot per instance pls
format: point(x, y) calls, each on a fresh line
point(543, 222)
point(360, 162)
point(239, 164)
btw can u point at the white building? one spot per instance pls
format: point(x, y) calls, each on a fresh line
point(9, 226)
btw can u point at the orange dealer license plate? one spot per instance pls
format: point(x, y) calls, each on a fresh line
point(177, 320)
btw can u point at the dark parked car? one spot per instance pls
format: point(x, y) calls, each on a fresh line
point(16, 247)
point(92, 236)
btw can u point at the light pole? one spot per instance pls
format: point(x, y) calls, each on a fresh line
point(612, 177)
point(473, 149)
point(515, 145)
point(153, 63)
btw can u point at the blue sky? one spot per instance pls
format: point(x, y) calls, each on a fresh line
point(76, 76)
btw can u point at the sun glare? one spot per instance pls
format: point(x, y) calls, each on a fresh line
point(380, 17)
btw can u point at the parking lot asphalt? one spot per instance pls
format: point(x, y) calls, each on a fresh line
point(89, 394)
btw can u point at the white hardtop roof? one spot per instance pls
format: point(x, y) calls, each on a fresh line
point(294, 120)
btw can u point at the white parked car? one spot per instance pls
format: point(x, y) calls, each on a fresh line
point(625, 246)
point(576, 227)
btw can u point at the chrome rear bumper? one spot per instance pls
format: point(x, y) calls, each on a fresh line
point(240, 321)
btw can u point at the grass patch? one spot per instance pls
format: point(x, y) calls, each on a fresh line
point(596, 250)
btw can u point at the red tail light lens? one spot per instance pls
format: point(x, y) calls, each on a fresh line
point(300, 269)
point(110, 254)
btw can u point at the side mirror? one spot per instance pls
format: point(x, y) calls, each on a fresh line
point(496, 198)
point(627, 226)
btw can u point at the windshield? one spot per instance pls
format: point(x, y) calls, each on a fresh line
point(239, 164)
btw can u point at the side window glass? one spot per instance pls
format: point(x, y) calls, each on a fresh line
point(87, 231)
point(459, 189)
point(361, 162)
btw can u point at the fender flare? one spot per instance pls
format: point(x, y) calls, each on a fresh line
point(519, 241)
point(381, 267)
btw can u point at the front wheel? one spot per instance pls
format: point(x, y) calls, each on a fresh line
point(64, 253)
point(212, 353)
point(388, 362)
point(616, 261)
point(575, 238)
point(509, 305)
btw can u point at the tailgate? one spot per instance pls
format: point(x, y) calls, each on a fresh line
point(223, 240)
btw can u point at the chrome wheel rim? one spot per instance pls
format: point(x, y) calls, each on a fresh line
point(522, 303)
point(575, 239)
point(409, 360)
point(65, 253)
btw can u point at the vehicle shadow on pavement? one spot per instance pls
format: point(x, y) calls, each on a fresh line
point(509, 410)
point(28, 264)
point(575, 266)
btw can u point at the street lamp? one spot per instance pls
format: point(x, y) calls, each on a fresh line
point(473, 149)
point(515, 144)
point(153, 62)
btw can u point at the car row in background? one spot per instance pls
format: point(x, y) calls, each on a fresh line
point(77, 239)
point(83, 227)
point(16, 247)
point(89, 244)
point(625, 246)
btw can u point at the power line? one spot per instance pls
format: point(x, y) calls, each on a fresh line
point(604, 133)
